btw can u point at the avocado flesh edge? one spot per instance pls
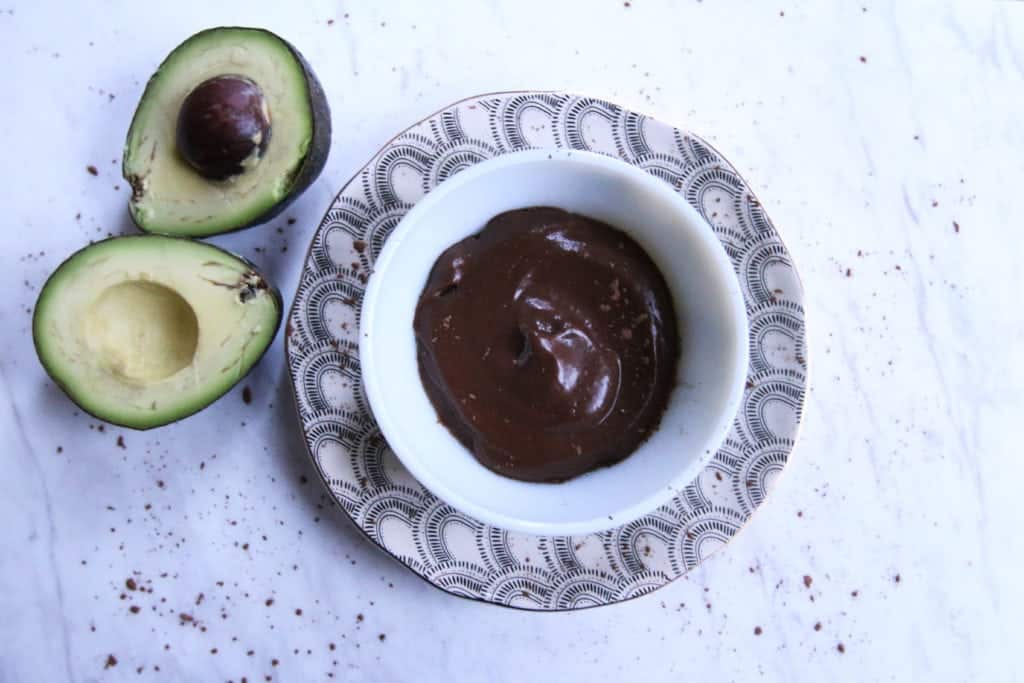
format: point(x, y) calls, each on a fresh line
point(111, 327)
point(168, 196)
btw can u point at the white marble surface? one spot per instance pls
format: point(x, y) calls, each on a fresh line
point(870, 130)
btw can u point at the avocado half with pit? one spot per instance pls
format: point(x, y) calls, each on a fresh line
point(231, 128)
point(144, 330)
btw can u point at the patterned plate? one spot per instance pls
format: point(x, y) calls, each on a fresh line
point(458, 553)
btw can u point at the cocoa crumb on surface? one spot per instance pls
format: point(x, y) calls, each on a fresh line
point(246, 395)
point(849, 273)
point(841, 648)
point(896, 578)
point(274, 662)
point(807, 581)
point(382, 637)
point(111, 662)
point(330, 22)
point(130, 584)
point(854, 594)
point(60, 449)
point(269, 602)
point(134, 609)
point(93, 171)
point(956, 227)
point(863, 59)
point(186, 617)
point(120, 442)
point(359, 245)
point(817, 626)
point(298, 612)
point(160, 483)
point(757, 631)
point(359, 617)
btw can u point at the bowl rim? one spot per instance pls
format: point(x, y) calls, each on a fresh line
point(396, 436)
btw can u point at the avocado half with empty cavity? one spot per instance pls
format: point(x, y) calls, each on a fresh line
point(231, 128)
point(144, 330)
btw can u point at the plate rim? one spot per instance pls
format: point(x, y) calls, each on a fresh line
point(293, 309)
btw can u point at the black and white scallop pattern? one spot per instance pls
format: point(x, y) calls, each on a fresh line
point(520, 121)
point(454, 157)
point(690, 148)
point(392, 176)
point(712, 187)
point(330, 377)
point(589, 124)
point(445, 535)
point(559, 553)
point(667, 167)
point(767, 273)
point(583, 589)
point(646, 543)
point(449, 549)
point(459, 578)
point(344, 223)
point(631, 139)
point(758, 472)
point(639, 584)
point(704, 532)
point(776, 336)
point(773, 406)
point(528, 587)
point(331, 308)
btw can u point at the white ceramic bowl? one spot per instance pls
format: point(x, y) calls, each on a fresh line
point(712, 323)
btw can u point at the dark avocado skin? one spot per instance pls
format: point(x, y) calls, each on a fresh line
point(319, 147)
point(274, 292)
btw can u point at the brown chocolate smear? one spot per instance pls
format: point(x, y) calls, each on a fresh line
point(547, 344)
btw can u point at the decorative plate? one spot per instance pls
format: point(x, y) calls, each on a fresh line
point(454, 551)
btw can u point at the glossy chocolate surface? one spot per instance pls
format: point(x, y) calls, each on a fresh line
point(547, 344)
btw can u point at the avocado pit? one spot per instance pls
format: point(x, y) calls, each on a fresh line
point(223, 126)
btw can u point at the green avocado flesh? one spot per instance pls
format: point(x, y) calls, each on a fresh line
point(145, 330)
point(168, 196)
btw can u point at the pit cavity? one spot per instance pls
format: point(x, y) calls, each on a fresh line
point(142, 331)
